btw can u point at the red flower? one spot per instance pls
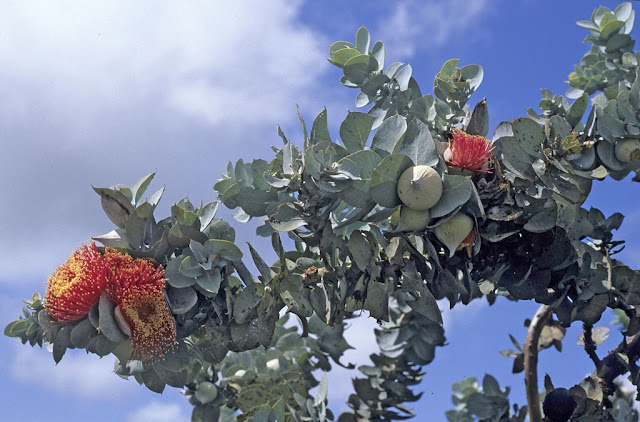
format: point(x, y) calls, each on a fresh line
point(136, 285)
point(75, 286)
point(469, 152)
point(125, 272)
point(468, 242)
point(153, 330)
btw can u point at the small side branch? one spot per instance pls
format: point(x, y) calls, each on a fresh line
point(611, 366)
point(589, 345)
point(531, 361)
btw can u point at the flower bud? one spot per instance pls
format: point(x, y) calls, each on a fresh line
point(627, 150)
point(455, 232)
point(412, 220)
point(420, 187)
point(206, 392)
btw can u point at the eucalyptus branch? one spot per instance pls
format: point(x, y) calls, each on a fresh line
point(430, 162)
point(589, 345)
point(358, 216)
point(531, 361)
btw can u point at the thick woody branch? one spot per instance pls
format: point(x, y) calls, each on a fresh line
point(611, 366)
point(531, 361)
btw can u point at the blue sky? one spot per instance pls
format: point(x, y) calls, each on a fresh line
point(97, 93)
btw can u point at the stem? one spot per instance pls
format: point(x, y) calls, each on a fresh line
point(589, 346)
point(610, 367)
point(531, 361)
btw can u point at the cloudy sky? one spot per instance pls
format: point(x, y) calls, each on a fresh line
point(98, 93)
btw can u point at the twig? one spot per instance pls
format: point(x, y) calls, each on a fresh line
point(589, 345)
point(357, 216)
point(531, 361)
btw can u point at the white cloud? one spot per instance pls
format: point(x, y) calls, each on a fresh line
point(105, 92)
point(416, 25)
point(460, 313)
point(159, 412)
point(77, 374)
point(206, 59)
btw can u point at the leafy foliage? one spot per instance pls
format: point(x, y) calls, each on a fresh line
point(337, 201)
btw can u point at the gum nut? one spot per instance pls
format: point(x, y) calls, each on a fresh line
point(453, 231)
point(420, 187)
point(206, 392)
point(412, 220)
point(627, 150)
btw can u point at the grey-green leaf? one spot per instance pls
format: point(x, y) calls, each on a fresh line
point(286, 218)
point(141, 186)
point(210, 281)
point(424, 303)
point(456, 192)
point(362, 40)
point(358, 69)
point(355, 130)
point(388, 134)
point(359, 166)
point(418, 144)
point(530, 135)
point(181, 300)
point(384, 180)
point(577, 109)
point(223, 248)
point(377, 301)
point(61, 343)
point(107, 321)
point(360, 250)
point(320, 128)
point(82, 334)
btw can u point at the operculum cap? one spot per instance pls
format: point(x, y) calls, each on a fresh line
point(457, 232)
point(413, 220)
point(420, 187)
point(627, 150)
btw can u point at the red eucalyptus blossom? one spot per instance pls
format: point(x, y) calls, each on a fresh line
point(152, 327)
point(136, 285)
point(469, 152)
point(468, 242)
point(75, 286)
point(125, 272)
